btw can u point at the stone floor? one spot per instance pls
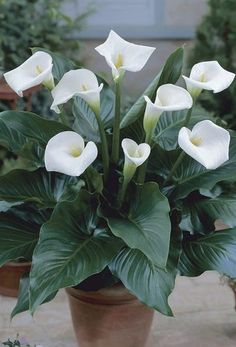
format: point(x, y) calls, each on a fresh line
point(204, 317)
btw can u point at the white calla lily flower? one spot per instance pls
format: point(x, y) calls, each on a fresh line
point(34, 71)
point(169, 97)
point(207, 143)
point(67, 154)
point(81, 82)
point(208, 75)
point(122, 55)
point(135, 154)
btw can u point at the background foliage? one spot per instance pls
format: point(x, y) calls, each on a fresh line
point(215, 40)
point(36, 23)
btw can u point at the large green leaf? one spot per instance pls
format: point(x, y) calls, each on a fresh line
point(216, 251)
point(169, 74)
point(27, 134)
point(61, 64)
point(40, 187)
point(85, 120)
point(72, 246)
point(17, 239)
point(147, 227)
point(222, 207)
point(149, 283)
point(22, 304)
point(170, 123)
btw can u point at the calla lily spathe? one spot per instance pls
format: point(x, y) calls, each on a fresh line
point(208, 75)
point(67, 154)
point(135, 154)
point(122, 55)
point(169, 97)
point(207, 143)
point(81, 82)
point(34, 71)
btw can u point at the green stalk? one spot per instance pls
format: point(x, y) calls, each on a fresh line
point(128, 173)
point(175, 167)
point(116, 125)
point(62, 117)
point(105, 153)
point(143, 168)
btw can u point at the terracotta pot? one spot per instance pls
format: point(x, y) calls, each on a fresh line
point(10, 275)
point(110, 317)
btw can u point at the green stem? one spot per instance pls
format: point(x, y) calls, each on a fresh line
point(105, 152)
point(62, 117)
point(143, 168)
point(116, 125)
point(88, 181)
point(128, 173)
point(175, 167)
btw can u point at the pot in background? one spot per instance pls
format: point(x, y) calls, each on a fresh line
point(110, 317)
point(10, 275)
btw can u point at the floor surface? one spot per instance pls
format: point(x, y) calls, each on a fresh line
point(203, 308)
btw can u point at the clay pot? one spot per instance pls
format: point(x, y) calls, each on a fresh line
point(110, 317)
point(10, 275)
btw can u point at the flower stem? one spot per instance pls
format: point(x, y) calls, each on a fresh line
point(62, 117)
point(105, 153)
point(143, 168)
point(116, 125)
point(128, 173)
point(175, 167)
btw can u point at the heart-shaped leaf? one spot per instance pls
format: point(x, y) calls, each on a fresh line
point(144, 279)
point(73, 247)
point(22, 304)
point(147, 227)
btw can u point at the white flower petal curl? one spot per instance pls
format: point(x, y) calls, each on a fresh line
point(207, 143)
point(134, 153)
point(82, 82)
point(168, 98)
point(66, 153)
point(122, 55)
point(34, 71)
point(209, 75)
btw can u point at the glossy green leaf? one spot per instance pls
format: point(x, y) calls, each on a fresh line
point(169, 74)
point(145, 280)
point(72, 246)
point(147, 227)
point(222, 207)
point(216, 251)
point(170, 123)
point(27, 134)
point(85, 120)
point(40, 187)
point(17, 238)
point(22, 304)
point(61, 64)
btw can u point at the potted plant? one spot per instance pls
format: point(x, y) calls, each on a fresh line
point(114, 220)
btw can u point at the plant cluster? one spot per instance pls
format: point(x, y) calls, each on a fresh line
point(215, 40)
point(110, 197)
